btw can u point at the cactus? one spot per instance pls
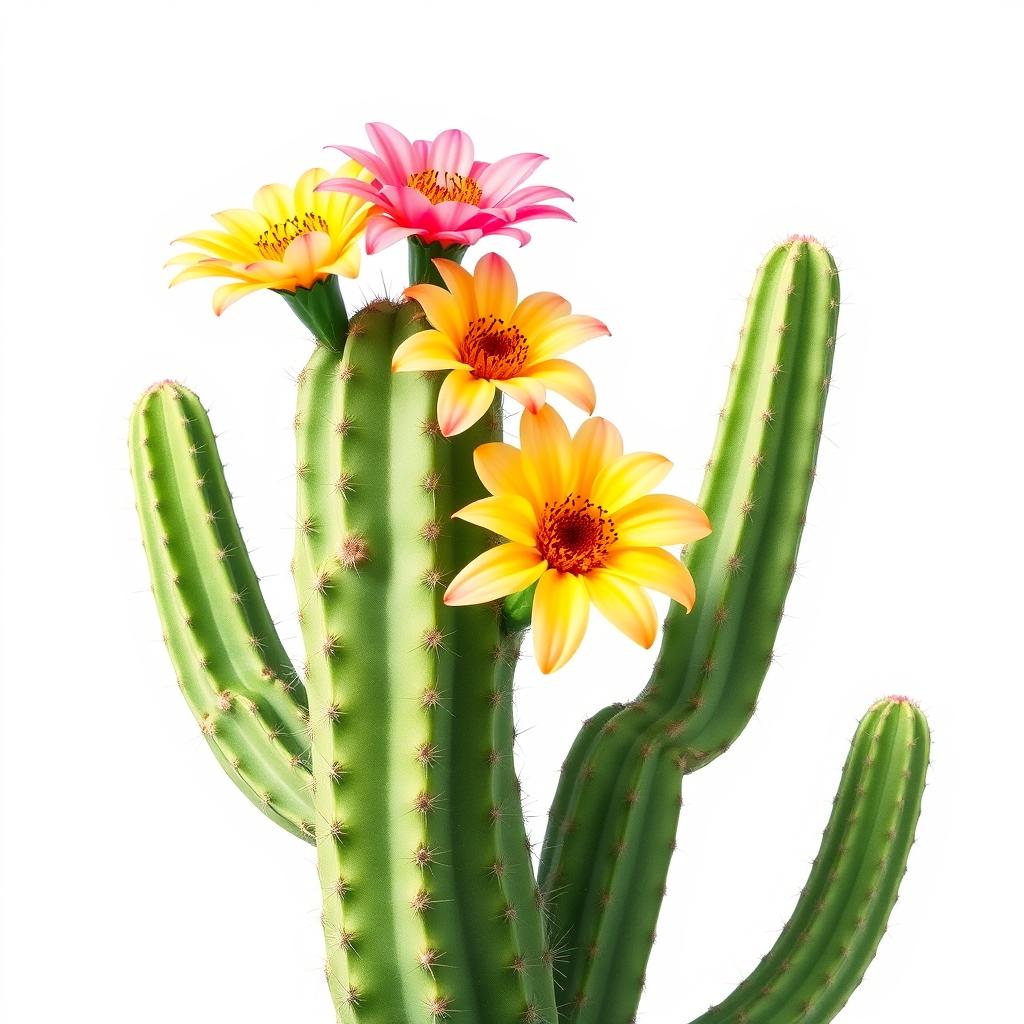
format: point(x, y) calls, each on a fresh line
point(393, 750)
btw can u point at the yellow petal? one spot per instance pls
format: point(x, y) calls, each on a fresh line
point(500, 468)
point(498, 572)
point(564, 334)
point(305, 256)
point(654, 568)
point(627, 478)
point(227, 294)
point(459, 282)
point(441, 310)
point(624, 605)
point(568, 380)
point(275, 202)
point(547, 453)
point(659, 519)
point(534, 313)
point(529, 393)
point(462, 400)
point(428, 350)
point(561, 609)
point(347, 264)
point(209, 268)
point(247, 224)
point(304, 195)
point(509, 515)
point(495, 285)
point(595, 445)
point(222, 244)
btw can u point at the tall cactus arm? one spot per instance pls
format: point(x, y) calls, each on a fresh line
point(420, 838)
point(843, 911)
point(231, 666)
point(713, 661)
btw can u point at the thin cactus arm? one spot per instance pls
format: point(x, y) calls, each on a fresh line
point(843, 910)
point(231, 666)
point(714, 660)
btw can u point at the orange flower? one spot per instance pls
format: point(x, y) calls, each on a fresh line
point(489, 339)
point(579, 519)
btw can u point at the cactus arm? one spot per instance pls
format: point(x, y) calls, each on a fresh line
point(713, 661)
point(231, 666)
point(409, 775)
point(828, 943)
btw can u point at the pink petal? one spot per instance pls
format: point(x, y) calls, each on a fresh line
point(532, 194)
point(353, 187)
point(395, 149)
point(451, 151)
point(501, 177)
point(373, 163)
point(533, 212)
point(382, 231)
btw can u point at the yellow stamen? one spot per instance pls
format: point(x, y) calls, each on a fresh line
point(446, 187)
point(575, 535)
point(493, 350)
point(273, 242)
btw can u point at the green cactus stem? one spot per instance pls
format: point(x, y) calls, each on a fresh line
point(712, 662)
point(231, 666)
point(322, 310)
point(430, 907)
point(843, 911)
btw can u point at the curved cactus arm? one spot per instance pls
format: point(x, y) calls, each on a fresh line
point(713, 661)
point(843, 911)
point(231, 666)
point(420, 837)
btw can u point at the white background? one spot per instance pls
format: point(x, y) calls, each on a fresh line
point(138, 884)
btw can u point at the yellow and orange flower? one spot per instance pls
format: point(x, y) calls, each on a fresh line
point(581, 522)
point(489, 339)
point(292, 238)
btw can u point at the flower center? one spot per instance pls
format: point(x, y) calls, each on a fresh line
point(273, 242)
point(494, 350)
point(446, 187)
point(575, 535)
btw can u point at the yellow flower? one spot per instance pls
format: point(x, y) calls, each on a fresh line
point(293, 238)
point(580, 520)
point(488, 339)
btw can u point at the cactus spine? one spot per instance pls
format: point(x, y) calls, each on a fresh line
point(713, 661)
point(419, 846)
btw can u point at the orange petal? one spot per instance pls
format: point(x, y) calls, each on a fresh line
point(659, 519)
point(441, 309)
point(547, 453)
point(564, 334)
point(305, 256)
point(561, 609)
point(624, 605)
point(595, 445)
point(496, 290)
point(500, 468)
point(529, 393)
point(462, 400)
point(654, 568)
point(627, 478)
point(499, 571)
point(459, 282)
point(568, 380)
point(533, 314)
point(427, 350)
point(509, 515)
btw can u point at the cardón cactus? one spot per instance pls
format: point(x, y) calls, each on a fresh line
point(392, 750)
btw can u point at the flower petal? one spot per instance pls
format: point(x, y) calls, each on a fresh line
point(624, 605)
point(451, 151)
point(500, 468)
point(595, 445)
point(459, 282)
point(462, 400)
point(498, 572)
point(628, 478)
point(305, 256)
point(533, 314)
point(427, 350)
point(442, 310)
point(568, 380)
point(498, 179)
point(660, 519)
point(383, 231)
point(276, 203)
point(394, 148)
point(227, 294)
point(496, 292)
point(510, 516)
point(529, 393)
point(654, 568)
point(563, 334)
point(561, 609)
point(547, 453)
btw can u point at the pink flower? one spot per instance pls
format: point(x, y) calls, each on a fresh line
point(439, 192)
